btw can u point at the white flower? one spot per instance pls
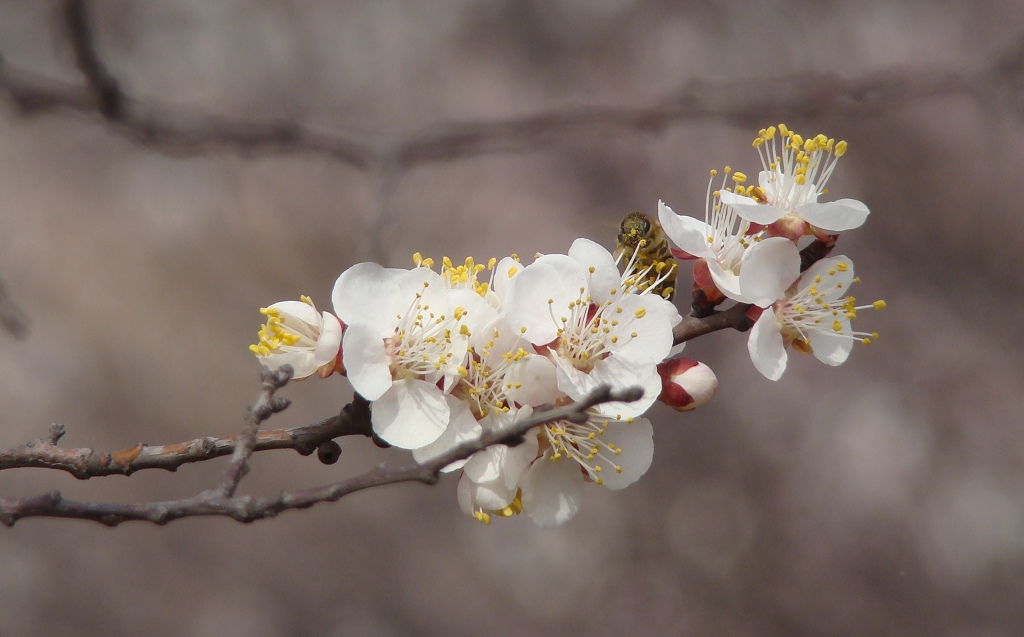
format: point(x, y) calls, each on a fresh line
point(576, 310)
point(743, 266)
point(686, 383)
point(296, 334)
point(404, 338)
point(491, 477)
point(791, 183)
point(608, 452)
point(814, 318)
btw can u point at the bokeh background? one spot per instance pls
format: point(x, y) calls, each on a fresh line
point(883, 497)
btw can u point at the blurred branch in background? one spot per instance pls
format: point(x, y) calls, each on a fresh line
point(173, 130)
point(12, 318)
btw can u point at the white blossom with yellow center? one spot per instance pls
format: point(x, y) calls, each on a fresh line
point(297, 334)
point(405, 346)
point(576, 310)
point(744, 266)
point(794, 175)
point(813, 318)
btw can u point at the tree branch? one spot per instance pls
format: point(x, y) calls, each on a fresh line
point(216, 502)
point(742, 102)
point(354, 420)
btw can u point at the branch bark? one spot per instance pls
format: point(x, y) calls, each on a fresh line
point(219, 502)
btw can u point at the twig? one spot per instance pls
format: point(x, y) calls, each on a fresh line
point(12, 318)
point(266, 406)
point(354, 420)
point(249, 509)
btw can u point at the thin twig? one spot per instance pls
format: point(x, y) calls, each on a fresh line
point(266, 406)
point(249, 509)
point(14, 320)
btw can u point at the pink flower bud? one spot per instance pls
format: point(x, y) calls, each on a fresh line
point(686, 383)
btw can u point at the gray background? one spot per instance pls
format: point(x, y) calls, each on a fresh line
point(879, 498)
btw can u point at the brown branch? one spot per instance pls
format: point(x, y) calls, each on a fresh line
point(354, 420)
point(266, 406)
point(249, 509)
point(13, 319)
point(744, 102)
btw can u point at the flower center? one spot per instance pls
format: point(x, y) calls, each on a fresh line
point(583, 443)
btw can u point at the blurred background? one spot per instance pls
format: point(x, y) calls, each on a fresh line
point(879, 498)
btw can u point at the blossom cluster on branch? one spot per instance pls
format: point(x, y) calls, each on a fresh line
point(447, 355)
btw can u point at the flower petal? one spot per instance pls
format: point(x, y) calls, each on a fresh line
point(636, 441)
point(749, 209)
point(362, 282)
point(540, 293)
point(366, 361)
point(832, 348)
point(532, 381)
point(329, 343)
point(769, 267)
point(835, 216)
point(462, 426)
point(412, 414)
point(765, 346)
point(552, 491)
point(689, 234)
point(836, 280)
point(603, 274)
point(649, 317)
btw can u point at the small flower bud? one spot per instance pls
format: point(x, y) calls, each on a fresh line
point(686, 383)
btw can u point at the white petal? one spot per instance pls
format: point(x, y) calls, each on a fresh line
point(492, 496)
point(832, 286)
point(750, 210)
point(603, 275)
point(368, 293)
point(832, 348)
point(689, 234)
point(726, 281)
point(503, 272)
point(769, 267)
point(366, 361)
point(619, 375)
point(301, 360)
point(477, 312)
point(429, 285)
point(412, 414)
point(647, 316)
point(636, 440)
point(462, 426)
point(529, 293)
point(765, 346)
point(835, 216)
point(533, 381)
point(300, 310)
point(552, 491)
point(329, 343)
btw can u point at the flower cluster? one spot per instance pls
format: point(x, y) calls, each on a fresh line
point(747, 250)
point(445, 355)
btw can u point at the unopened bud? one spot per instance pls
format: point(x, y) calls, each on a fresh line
point(686, 383)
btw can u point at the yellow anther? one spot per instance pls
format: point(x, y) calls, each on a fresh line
point(842, 266)
point(739, 177)
point(878, 305)
point(640, 313)
point(417, 258)
point(840, 148)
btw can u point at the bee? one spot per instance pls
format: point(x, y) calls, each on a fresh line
point(641, 239)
